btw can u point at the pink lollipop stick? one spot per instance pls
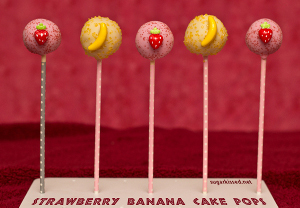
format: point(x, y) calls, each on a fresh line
point(261, 123)
point(151, 127)
point(97, 127)
point(205, 122)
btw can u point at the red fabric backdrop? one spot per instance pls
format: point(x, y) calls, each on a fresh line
point(124, 153)
point(234, 73)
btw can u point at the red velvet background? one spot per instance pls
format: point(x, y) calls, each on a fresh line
point(234, 73)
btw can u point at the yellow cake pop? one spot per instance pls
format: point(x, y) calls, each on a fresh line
point(100, 37)
point(205, 35)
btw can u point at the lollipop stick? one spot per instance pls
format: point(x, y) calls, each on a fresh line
point(205, 122)
point(261, 123)
point(42, 125)
point(151, 127)
point(97, 127)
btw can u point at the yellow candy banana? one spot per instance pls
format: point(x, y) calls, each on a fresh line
point(100, 39)
point(212, 32)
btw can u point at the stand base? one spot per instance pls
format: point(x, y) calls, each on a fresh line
point(132, 192)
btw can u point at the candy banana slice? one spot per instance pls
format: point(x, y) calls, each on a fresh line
point(212, 32)
point(100, 39)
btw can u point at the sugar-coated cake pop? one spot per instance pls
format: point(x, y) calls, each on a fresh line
point(205, 35)
point(41, 36)
point(264, 37)
point(100, 37)
point(154, 40)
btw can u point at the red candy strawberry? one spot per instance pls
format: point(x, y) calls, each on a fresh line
point(155, 39)
point(41, 35)
point(265, 33)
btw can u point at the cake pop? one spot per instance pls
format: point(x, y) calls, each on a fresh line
point(264, 37)
point(100, 37)
point(41, 37)
point(205, 35)
point(153, 40)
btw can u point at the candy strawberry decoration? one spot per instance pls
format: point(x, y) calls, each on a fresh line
point(41, 35)
point(265, 33)
point(155, 39)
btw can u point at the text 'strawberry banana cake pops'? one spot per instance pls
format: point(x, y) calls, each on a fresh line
point(205, 35)
point(153, 40)
point(41, 37)
point(100, 37)
point(264, 37)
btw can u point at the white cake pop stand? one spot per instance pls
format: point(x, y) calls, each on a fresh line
point(132, 192)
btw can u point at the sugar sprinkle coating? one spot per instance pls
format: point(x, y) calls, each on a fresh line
point(256, 45)
point(89, 34)
point(196, 32)
point(142, 40)
point(52, 43)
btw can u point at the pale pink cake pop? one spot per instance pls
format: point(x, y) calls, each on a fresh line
point(258, 46)
point(142, 40)
point(52, 42)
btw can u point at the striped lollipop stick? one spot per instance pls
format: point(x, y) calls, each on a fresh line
point(151, 127)
point(205, 122)
point(261, 123)
point(97, 127)
point(42, 125)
